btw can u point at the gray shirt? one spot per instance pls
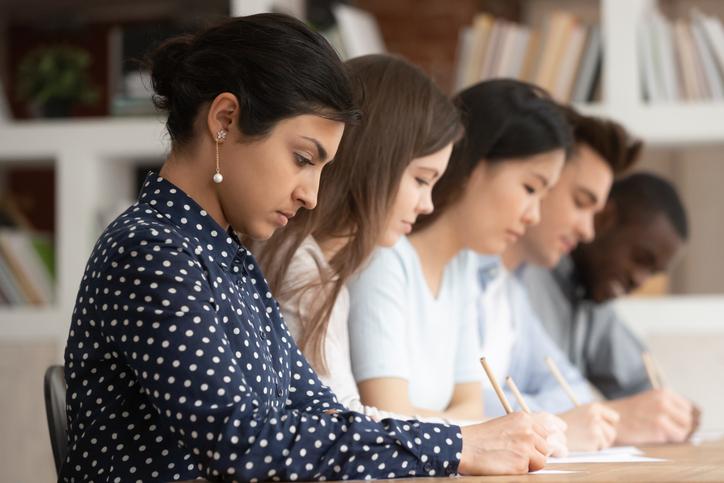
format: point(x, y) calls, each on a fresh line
point(595, 339)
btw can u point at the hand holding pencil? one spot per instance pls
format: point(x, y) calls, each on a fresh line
point(658, 415)
point(555, 426)
point(591, 427)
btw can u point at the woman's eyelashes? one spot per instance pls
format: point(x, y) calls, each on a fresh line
point(422, 182)
point(303, 160)
point(529, 189)
point(581, 204)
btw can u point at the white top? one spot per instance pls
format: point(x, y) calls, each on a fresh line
point(398, 328)
point(305, 269)
point(500, 334)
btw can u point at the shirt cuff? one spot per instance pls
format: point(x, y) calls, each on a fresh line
point(440, 450)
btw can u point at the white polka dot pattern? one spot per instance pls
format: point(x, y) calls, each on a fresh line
point(179, 366)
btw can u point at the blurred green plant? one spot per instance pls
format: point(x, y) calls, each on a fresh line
point(54, 78)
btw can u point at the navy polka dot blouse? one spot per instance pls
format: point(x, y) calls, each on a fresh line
point(179, 366)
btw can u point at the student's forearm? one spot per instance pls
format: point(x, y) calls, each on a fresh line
point(393, 395)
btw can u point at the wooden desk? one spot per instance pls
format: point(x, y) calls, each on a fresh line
point(684, 463)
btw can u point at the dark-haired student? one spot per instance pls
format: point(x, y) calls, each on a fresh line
point(513, 337)
point(178, 363)
point(639, 233)
point(412, 324)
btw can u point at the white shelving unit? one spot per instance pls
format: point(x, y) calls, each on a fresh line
point(81, 152)
point(91, 158)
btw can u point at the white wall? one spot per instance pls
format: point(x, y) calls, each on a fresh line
point(686, 337)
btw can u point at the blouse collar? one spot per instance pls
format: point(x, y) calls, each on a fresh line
point(214, 242)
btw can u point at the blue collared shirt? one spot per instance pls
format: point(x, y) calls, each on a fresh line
point(532, 345)
point(179, 366)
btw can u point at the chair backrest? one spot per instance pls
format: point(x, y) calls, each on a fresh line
point(54, 389)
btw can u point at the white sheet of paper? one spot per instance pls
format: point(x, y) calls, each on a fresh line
point(603, 458)
point(622, 450)
point(614, 450)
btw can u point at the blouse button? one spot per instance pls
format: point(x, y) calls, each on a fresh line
point(280, 392)
point(428, 467)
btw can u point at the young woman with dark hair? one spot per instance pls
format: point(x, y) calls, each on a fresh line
point(178, 363)
point(413, 328)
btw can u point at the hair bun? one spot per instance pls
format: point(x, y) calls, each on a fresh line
point(165, 62)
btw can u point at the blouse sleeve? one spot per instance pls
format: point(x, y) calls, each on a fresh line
point(158, 312)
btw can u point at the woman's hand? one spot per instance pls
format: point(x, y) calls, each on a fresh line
point(591, 427)
point(511, 445)
point(556, 427)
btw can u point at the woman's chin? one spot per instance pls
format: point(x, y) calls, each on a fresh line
point(389, 239)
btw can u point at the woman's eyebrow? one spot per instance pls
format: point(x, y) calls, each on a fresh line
point(435, 173)
point(542, 178)
point(321, 152)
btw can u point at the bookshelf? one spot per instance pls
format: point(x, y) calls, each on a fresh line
point(95, 157)
point(95, 160)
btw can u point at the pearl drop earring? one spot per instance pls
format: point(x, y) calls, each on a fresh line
point(220, 137)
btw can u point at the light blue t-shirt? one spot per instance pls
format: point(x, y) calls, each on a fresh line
point(398, 328)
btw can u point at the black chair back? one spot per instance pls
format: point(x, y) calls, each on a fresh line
point(54, 389)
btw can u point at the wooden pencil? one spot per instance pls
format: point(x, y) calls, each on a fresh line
point(559, 377)
point(651, 370)
point(518, 396)
point(496, 386)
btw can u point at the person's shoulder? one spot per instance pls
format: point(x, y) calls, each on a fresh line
point(306, 265)
point(386, 264)
point(535, 277)
point(402, 254)
point(142, 229)
point(309, 254)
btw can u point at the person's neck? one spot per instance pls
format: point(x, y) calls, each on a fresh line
point(436, 245)
point(513, 257)
point(183, 171)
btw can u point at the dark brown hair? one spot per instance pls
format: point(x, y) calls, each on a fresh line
point(606, 137)
point(275, 66)
point(504, 119)
point(404, 116)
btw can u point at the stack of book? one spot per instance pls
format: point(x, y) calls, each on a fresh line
point(681, 60)
point(26, 268)
point(564, 58)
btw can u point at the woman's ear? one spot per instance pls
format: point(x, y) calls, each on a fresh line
point(223, 112)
